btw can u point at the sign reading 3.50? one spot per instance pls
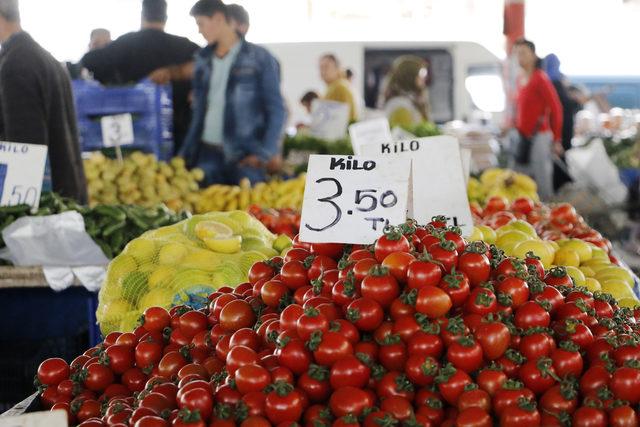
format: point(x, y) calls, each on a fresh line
point(350, 199)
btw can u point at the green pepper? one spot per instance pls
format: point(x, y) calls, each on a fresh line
point(43, 212)
point(22, 209)
point(110, 211)
point(113, 228)
point(105, 248)
point(116, 241)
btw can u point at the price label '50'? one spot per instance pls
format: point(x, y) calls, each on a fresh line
point(351, 199)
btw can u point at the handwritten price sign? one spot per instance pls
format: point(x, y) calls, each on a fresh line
point(351, 199)
point(21, 173)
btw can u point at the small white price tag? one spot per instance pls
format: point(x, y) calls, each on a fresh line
point(329, 119)
point(21, 172)
point(374, 131)
point(350, 199)
point(36, 419)
point(437, 178)
point(117, 130)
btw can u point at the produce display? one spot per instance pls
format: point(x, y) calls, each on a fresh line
point(501, 182)
point(111, 227)
point(419, 329)
point(276, 194)
point(278, 221)
point(142, 180)
point(557, 236)
point(182, 264)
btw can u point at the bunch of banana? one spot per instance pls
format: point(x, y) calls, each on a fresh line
point(501, 182)
point(272, 194)
point(142, 180)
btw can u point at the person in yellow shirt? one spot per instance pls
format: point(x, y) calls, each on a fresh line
point(406, 101)
point(338, 88)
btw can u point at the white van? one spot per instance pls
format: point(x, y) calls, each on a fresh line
point(464, 76)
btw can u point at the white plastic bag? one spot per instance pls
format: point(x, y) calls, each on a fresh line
point(590, 165)
point(60, 244)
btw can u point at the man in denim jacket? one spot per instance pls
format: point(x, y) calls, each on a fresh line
point(238, 110)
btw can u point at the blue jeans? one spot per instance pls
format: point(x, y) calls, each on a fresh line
point(217, 170)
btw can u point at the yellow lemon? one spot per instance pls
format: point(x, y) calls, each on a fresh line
point(160, 297)
point(599, 253)
point(615, 272)
point(229, 245)
point(518, 225)
point(628, 302)
point(161, 276)
point(592, 284)
point(120, 266)
point(172, 254)
point(212, 230)
point(201, 259)
point(567, 257)
point(553, 245)
point(539, 249)
point(488, 234)
point(582, 248)
point(576, 275)
point(617, 288)
point(143, 250)
point(475, 235)
point(587, 271)
point(510, 238)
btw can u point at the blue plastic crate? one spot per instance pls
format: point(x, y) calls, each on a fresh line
point(38, 323)
point(150, 106)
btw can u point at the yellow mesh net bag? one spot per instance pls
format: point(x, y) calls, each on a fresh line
point(182, 264)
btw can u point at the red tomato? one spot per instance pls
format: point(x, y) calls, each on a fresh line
point(465, 354)
point(155, 319)
point(392, 241)
point(236, 315)
point(398, 265)
point(475, 264)
point(433, 302)
point(380, 286)
point(365, 313)
point(423, 272)
point(53, 371)
point(283, 404)
point(445, 253)
point(494, 338)
point(120, 358)
point(98, 378)
point(349, 400)
point(252, 378)
point(349, 372)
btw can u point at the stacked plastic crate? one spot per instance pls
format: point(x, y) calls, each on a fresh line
point(151, 110)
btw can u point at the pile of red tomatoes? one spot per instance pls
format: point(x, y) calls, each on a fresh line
point(419, 329)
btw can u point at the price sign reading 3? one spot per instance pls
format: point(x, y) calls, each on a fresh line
point(351, 199)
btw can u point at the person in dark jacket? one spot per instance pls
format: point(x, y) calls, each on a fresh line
point(150, 52)
point(238, 110)
point(569, 109)
point(36, 103)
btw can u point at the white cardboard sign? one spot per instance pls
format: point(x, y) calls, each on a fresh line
point(350, 199)
point(36, 419)
point(465, 155)
point(117, 130)
point(329, 119)
point(21, 172)
point(374, 131)
point(437, 178)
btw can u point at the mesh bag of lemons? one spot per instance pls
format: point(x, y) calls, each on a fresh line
point(182, 264)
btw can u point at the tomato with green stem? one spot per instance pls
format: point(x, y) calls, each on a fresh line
point(391, 241)
point(283, 404)
point(474, 263)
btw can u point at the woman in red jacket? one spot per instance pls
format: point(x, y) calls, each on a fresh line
point(538, 120)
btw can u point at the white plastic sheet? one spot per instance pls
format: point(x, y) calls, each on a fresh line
point(60, 244)
point(591, 166)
